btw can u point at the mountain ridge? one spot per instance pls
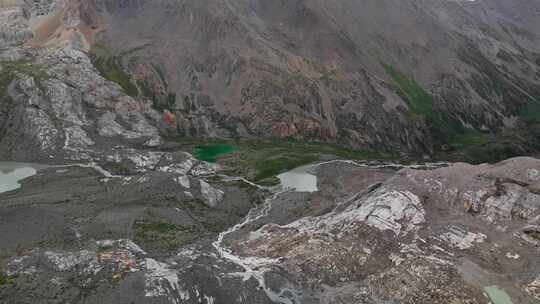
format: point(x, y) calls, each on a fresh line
point(318, 69)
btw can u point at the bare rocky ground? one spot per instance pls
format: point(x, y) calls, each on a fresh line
point(73, 235)
point(375, 235)
point(120, 216)
point(368, 235)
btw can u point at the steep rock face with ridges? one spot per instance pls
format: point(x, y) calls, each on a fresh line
point(399, 75)
point(54, 103)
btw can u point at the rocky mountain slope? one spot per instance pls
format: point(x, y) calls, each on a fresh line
point(117, 213)
point(406, 76)
point(412, 77)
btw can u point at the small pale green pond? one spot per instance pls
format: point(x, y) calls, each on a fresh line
point(497, 295)
point(11, 173)
point(212, 152)
point(299, 179)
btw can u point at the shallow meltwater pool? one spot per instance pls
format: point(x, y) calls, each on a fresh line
point(11, 173)
point(299, 179)
point(497, 295)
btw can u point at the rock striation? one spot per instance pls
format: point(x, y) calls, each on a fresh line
point(405, 76)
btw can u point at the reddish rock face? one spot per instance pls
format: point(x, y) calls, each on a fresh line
point(169, 118)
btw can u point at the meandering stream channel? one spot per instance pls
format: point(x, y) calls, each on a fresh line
point(300, 179)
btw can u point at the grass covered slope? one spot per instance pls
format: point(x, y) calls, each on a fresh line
point(111, 69)
point(421, 107)
point(263, 159)
point(454, 141)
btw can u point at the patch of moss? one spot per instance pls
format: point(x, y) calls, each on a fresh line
point(216, 225)
point(10, 69)
point(112, 70)
point(421, 106)
point(103, 248)
point(530, 112)
point(163, 236)
point(477, 147)
point(420, 102)
point(157, 227)
point(267, 168)
point(4, 279)
point(109, 66)
point(469, 138)
point(262, 159)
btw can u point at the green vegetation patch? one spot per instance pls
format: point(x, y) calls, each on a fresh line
point(261, 160)
point(112, 70)
point(163, 236)
point(157, 227)
point(477, 147)
point(530, 112)
point(4, 279)
point(420, 102)
point(443, 127)
point(454, 141)
point(469, 138)
point(9, 70)
point(110, 67)
point(421, 105)
point(210, 219)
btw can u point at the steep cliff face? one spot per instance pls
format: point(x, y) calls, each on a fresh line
point(53, 103)
point(404, 76)
point(400, 75)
